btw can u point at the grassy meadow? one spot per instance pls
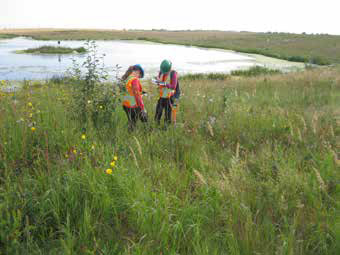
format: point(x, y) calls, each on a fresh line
point(251, 168)
point(319, 49)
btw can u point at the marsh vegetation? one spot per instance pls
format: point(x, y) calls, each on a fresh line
point(53, 50)
point(251, 168)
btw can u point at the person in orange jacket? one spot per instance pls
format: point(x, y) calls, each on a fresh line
point(132, 97)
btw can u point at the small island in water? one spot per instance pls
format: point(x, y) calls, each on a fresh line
point(52, 50)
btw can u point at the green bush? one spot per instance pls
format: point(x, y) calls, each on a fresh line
point(298, 59)
point(94, 99)
point(319, 61)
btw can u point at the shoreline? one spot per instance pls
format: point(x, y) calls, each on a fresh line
point(276, 45)
point(254, 59)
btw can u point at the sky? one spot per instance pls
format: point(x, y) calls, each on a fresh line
point(294, 16)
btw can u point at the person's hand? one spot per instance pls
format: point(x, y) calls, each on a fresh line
point(155, 81)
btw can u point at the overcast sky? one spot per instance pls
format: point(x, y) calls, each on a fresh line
point(311, 16)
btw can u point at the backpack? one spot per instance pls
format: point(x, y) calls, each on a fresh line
point(177, 94)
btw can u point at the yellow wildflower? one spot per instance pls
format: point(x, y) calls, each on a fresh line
point(115, 158)
point(112, 163)
point(29, 104)
point(101, 107)
point(89, 101)
point(66, 156)
point(74, 151)
point(108, 171)
point(83, 136)
point(33, 129)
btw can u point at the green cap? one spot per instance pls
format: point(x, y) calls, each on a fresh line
point(165, 66)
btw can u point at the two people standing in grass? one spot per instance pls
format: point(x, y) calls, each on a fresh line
point(169, 92)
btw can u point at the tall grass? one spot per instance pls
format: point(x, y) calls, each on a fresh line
point(255, 71)
point(203, 76)
point(251, 168)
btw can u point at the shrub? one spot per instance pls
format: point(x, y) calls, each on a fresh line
point(94, 100)
point(319, 61)
point(297, 59)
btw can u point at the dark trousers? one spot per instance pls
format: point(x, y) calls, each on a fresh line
point(133, 115)
point(166, 105)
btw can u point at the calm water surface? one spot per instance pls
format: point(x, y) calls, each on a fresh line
point(124, 53)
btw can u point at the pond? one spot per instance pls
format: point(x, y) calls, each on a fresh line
point(124, 53)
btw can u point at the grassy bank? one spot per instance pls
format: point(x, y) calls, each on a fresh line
point(52, 50)
point(316, 49)
point(6, 36)
point(255, 71)
point(251, 168)
point(251, 72)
